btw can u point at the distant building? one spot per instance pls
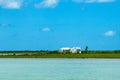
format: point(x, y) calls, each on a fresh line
point(75, 50)
point(71, 50)
point(65, 50)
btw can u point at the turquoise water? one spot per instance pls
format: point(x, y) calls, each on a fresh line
point(59, 69)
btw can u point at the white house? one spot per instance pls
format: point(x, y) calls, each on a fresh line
point(75, 50)
point(72, 50)
point(65, 50)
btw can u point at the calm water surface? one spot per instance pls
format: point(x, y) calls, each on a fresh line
point(59, 69)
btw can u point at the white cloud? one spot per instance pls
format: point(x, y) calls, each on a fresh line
point(78, 1)
point(106, 0)
point(47, 4)
point(110, 33)
point(46, 29)
point(5, 25)
point(90, 1)
point(93, 1)
point(11, 4)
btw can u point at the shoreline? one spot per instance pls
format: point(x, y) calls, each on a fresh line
point(82, 56)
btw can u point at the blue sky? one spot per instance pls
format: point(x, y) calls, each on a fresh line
point(52, 24)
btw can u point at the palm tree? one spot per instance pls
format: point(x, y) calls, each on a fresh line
point(86, 49)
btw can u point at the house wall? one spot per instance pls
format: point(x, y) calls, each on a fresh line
point(72, 50)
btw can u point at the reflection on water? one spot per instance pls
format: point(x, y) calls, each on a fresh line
point(59, 69)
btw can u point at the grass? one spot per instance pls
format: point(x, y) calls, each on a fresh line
point(58, 55)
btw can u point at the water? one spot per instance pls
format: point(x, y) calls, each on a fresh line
point(59, 69)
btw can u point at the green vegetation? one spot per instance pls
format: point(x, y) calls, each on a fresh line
point(57, 54)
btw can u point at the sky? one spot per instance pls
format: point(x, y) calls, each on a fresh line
point(53, 24)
